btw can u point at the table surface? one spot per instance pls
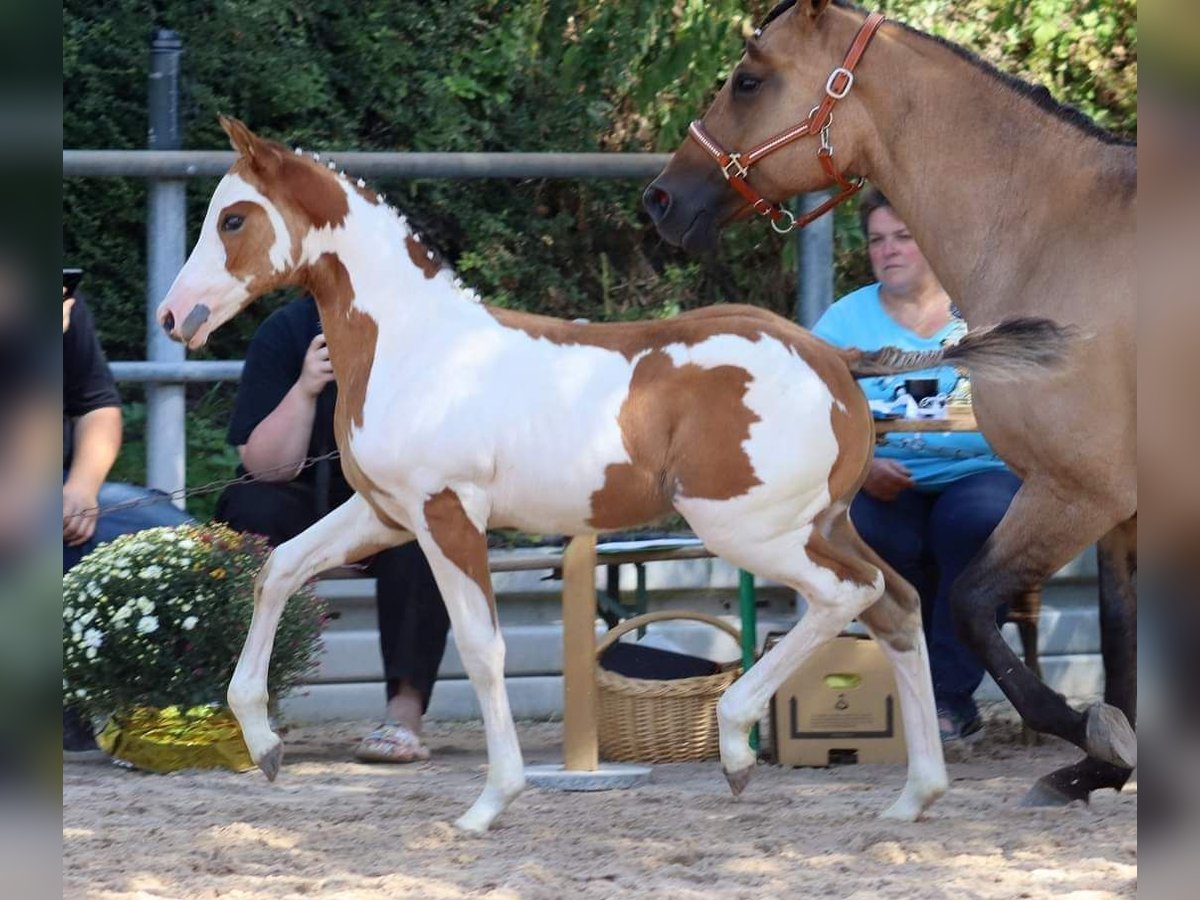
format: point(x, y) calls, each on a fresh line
point(954, 422)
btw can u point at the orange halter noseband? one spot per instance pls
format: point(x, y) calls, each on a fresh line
point(736, 166)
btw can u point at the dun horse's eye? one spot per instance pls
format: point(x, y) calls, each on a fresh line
point(744, 85)
point(232, 222)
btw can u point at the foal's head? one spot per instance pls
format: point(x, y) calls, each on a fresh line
point(778, 81)
point(253, 236)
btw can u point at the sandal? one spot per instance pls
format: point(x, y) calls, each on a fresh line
point(954, 727)
point(391, 743)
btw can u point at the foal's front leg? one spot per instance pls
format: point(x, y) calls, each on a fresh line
point(345, 535)
point(456, 548)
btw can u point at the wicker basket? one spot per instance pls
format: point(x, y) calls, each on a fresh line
point(655, 721)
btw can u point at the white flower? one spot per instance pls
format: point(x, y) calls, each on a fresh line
point(81, 693)
point(147, 624)
point(122, 614)
point(151, 571)
point(187, 544)
point(90, 653)
point(189, 623)
point(93, 637)
point(145, 605)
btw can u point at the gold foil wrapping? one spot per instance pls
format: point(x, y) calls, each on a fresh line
point(167, 740)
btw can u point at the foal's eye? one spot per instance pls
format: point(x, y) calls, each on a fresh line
point(744, 85)
point(232, 222)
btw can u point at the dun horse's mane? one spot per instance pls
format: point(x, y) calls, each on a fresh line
point(1039, 94)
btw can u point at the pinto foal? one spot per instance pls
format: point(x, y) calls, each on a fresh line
point(453, 417)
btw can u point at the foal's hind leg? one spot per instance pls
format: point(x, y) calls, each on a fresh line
point(838, 586)
point(347, 534)
point(1118, 641)
point(895, 622)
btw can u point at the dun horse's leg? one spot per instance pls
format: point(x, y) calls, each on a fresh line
point(1043, 530)
point(346, 534)
point(838, 586)
point(1116, 554)
point(895, 621)
point(457, 553)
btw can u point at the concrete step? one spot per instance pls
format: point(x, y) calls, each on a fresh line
point(1078, 677)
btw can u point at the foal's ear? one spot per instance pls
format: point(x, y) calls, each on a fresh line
point(246, 142)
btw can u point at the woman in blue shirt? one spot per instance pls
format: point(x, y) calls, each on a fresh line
point(930, 501)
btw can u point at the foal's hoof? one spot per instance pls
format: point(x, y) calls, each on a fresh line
point(739, 779)
point(271, 760)
point(1043, 793)
point(1109, 737)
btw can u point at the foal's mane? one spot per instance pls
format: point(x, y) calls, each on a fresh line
point(365, 190)
point(1039, 94)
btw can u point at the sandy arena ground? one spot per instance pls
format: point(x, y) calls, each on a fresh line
point(331, 827)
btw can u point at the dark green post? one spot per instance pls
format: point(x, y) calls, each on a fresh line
point(747, 601)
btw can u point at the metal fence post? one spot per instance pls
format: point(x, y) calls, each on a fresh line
point(166, 234)
point(814, 255)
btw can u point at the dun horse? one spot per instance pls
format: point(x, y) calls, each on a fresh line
point(453, 417)
point(1023, 207)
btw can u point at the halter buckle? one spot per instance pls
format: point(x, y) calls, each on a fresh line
point(735, 163)
point(833, 91)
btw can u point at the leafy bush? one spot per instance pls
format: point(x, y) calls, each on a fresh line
point(158, 618)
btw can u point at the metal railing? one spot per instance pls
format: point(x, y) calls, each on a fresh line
point(167, 169)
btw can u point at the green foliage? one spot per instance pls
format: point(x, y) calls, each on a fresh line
point(484, 75)
point(157, 619)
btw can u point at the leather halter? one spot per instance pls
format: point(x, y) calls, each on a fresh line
point(736, 166)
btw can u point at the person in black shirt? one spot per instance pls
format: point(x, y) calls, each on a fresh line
point(283, 414)
point(91, 441)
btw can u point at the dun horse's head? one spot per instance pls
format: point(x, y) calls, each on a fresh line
point(788, 73)
point(253, 237)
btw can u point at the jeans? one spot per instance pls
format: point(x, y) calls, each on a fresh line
point(124, 521)
point(929, 538)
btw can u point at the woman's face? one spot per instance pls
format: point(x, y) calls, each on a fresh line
point(896, 259)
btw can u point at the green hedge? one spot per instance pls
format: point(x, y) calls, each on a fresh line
point(481, 75)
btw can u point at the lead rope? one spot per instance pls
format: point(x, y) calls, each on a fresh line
point(208, 488)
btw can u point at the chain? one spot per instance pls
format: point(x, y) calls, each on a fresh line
point(209, 488)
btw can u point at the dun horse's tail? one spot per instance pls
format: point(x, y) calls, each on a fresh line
point(1014, 348)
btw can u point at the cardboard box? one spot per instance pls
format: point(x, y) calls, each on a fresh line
point(840, 707)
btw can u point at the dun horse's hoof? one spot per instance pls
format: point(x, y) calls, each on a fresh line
point(739, 779)
point(1043, 793)
point(1109, 737)
point(271, 761)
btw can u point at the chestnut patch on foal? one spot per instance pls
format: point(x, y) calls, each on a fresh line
point(423, 256)
point(248, 250)
point(683, 428)
point(460, 541)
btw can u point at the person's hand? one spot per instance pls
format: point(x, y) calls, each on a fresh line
point(78, 525)
point(318, 370)
point(68, 302)
point(887, 479)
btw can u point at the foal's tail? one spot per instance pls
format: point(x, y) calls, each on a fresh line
point(1014, 348)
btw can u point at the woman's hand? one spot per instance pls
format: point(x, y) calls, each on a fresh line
point(318, 370)
point(887, 479)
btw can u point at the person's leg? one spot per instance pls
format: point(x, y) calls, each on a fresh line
point(895, 529)
point(964, 516)
point(277, 511)
point(412, 634)
point(139, 508)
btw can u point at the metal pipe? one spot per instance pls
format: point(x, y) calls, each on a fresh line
point(814, 253)
point(166, 231)
point(177, 372)
point(197, 163)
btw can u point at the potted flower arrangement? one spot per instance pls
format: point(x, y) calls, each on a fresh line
point(153, 624)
